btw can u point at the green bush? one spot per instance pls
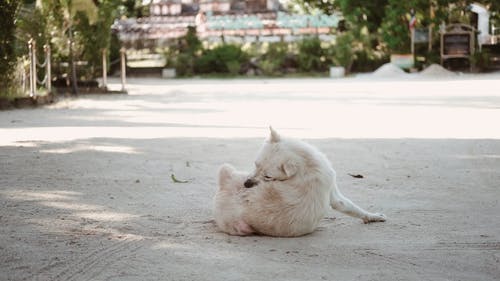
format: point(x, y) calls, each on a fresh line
point(311, 56)
point(187, 50)
point(342, 52)
point(184, 65)
point(352, 50)
point(206, 62)
point(190, 43)
point(272, 62)
point(226, 58)
point(233, 67)
point(481, 60)
point(366, 61)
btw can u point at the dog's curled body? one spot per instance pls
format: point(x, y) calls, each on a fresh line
point(288, 194)
point(291, 207)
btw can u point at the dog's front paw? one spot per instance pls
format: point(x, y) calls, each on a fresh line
point(374, 218)
point(226, 172)
point(227, 169)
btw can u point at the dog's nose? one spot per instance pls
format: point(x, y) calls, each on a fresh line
point(249, 183)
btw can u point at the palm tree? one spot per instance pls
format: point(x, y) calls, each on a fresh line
point(69, 9)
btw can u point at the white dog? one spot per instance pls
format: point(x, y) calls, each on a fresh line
point(287, 195)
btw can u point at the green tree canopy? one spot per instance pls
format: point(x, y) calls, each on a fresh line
point(387, 20)
point(8, 13)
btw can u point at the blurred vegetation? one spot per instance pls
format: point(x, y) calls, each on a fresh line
point(311, 56)
point(75, 30)
point(225, 58)
point(270, 59)
point(386, 24)
point(366, 37)
point(78, 30)
point(308, 56)
point(274, 57)
point(8, 58)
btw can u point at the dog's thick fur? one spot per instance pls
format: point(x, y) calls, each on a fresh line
point(287, 195)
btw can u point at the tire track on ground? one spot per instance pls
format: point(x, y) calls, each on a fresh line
point(94, 263)
point(466, 246)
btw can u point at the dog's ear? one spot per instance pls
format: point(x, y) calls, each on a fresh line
point(274, 137)
point(290, 168)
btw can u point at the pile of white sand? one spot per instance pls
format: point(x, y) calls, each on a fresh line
point(436, 70)
point(389, 70)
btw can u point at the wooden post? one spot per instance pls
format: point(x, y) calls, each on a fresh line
point(32, 51)
point(431, 26)
point(74, 78)
point(48, 72)
point(123, 68)
point(411, 25)
point(413, 41)
point(104, 70)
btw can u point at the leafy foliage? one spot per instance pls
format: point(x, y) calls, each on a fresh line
point(273, 60)
point(311, 56)
point(356, 12)
point(360, 13)
point(387, 20)
point(189, 58)
point(225, 58)
point(85, 22)
point(375, 29)
point(8, 12)
point(96, 36)
point(342, 52)
point(395, 32)
point(187, 50)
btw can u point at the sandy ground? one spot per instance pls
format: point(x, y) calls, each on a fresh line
point(86, 190)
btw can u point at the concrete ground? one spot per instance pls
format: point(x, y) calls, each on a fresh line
point(86, 189)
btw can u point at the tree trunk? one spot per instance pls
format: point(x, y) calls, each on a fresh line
point(74, 86)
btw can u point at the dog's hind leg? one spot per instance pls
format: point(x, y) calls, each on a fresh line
point(241, 228)
point(342, 204)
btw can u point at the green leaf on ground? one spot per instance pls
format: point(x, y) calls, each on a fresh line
point(174, 179)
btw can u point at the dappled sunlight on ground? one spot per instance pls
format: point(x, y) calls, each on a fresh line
point(67, 201)
point(23, 195)
point(117, 149)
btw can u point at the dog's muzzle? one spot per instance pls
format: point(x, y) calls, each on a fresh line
point(249, 183)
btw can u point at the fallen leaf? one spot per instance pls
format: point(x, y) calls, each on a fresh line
point(358, 176)
point(176, 180)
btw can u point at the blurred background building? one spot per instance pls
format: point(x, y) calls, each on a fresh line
point(216, 20)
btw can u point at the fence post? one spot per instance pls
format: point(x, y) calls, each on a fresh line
point(23, 79)
point(48, 72)
point(31, 45)
point(123, 68)
point(104, 70)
